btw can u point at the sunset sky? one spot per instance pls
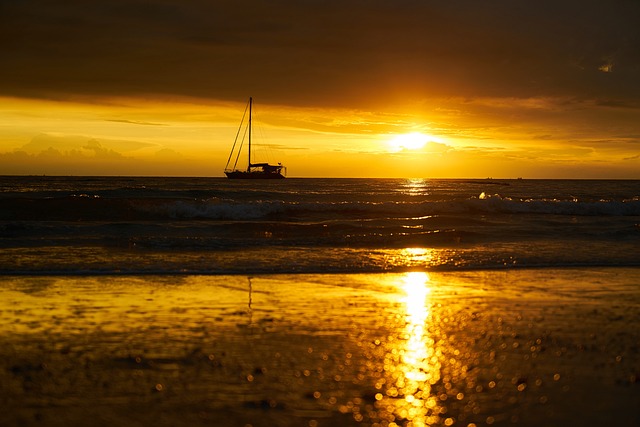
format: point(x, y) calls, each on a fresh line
point(402, 88)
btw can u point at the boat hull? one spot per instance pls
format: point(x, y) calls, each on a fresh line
point(253, 175)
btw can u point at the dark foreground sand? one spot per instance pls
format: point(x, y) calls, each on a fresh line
point(525, 348)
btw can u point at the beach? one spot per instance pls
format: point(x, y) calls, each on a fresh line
point(527, 347)
point(161, 301)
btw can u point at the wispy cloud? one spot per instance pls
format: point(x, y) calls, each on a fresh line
point(135, 122)
point(64, 143)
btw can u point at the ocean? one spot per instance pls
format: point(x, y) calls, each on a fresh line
point(121, 225)
point(319, 302)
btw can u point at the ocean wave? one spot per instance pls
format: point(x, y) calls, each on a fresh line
point(499, 204)
point(212, 209)
point(72, 260)
point(230, 210)
point(87, 207)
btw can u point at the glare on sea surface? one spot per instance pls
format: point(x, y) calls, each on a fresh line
point(414, 258)
point(418, 255)
point(414, 187)
point(413, 366)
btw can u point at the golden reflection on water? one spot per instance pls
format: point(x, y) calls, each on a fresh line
point(415, 257)
point(414, 187)
point(423, 256)
point(412, 349)
point(413, 365)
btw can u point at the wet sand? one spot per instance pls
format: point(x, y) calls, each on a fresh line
point(524, 348)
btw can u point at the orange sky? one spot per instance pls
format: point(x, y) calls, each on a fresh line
point(493, 89)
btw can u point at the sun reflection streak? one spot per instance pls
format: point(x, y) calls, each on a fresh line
point(414, 187)
point(414, 365)
point(420, 256)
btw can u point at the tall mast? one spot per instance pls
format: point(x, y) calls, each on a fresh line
point(250, 107)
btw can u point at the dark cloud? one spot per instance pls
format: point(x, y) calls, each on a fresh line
point(321, 53)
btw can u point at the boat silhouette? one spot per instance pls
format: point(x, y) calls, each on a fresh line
point(254, 170)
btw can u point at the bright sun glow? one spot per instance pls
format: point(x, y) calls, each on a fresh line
point(408, 141)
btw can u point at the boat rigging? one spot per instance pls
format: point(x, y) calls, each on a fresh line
point(254, 170)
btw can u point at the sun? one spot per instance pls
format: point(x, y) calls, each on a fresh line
point(408, 141)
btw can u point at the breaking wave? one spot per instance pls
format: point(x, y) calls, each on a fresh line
point(221, 210)
point(96, 208)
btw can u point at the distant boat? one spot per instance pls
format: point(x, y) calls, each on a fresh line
point(254, 170)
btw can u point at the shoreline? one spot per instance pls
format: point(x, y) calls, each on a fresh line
point(437, 269)
point(518, 347)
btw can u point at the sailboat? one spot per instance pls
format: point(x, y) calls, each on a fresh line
point(254, 170)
